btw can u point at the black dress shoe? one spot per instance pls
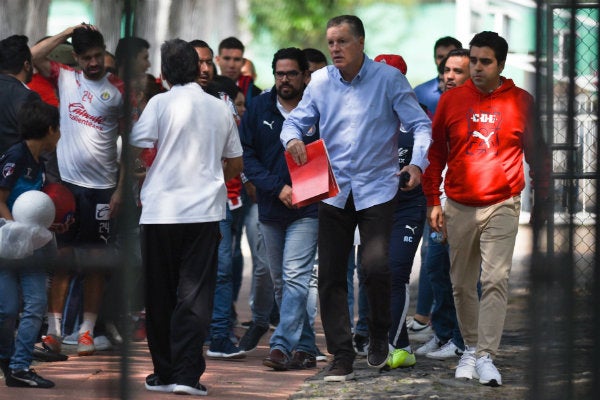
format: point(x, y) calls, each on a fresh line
point(302, 360)
point(47, 355)
point(277, 360)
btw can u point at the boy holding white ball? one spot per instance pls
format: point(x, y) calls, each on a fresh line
point(22, 170)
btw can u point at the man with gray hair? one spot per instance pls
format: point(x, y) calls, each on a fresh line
point(358, 105)
point(183, 202)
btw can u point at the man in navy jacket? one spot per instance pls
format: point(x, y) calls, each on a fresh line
point(290, 233)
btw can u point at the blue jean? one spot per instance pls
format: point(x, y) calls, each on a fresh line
point(313, 295)
point(237, 258)
point(425, 292)
point(361, 328)
point(221, 316)
point(443, 314)
point(291, 252)
point(30, 276)
point(262, 297)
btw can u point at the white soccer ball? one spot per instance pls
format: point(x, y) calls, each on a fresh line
point(34, 207)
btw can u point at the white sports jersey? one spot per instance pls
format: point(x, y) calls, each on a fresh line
point(89, 125)
point(192, 132)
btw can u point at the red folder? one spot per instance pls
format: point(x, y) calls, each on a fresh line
point(313, 181)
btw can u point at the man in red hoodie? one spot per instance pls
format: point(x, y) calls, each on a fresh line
point(481, 130)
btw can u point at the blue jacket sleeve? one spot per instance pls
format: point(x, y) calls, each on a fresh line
point(257, 149)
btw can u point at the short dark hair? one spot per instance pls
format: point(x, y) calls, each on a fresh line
point(201, 44)
point(222, 84)
point(452, 53)
point(231, 43)
point(356, 25)
point(291, 53)
point(447, 41)
point(314, 55)
point(179, 62)
point(13, 54)
point(84, 39)
point(492, 40)
point(128, 48)
point(35, 117)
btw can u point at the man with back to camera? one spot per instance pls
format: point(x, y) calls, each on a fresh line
point(180, 242)
point(362, 144)
point(481, 131)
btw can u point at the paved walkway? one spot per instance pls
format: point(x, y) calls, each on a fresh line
point(97, 377)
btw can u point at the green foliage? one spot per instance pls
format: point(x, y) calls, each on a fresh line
point(302, 23)
point(296, 23)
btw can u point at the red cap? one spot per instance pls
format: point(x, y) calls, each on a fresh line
point(393, 60)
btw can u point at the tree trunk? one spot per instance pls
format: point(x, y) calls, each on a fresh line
point(150, 23)
point(29, 17)
point(37, 20)
point(209, 20)
point(107, 17)
point(13, 14)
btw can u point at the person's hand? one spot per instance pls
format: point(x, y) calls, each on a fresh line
point(297, 150)
point(250, 191)
point(286, 196)
point(62, 227)
point(435, 216)
point(115, 202)
point(539, 213)
point(415, 177)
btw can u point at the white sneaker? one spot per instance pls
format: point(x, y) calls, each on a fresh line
point(197, 390)
point(417, 331)
point(487, 372)
point(102, 343)
point(466, 364)
point(432, 345)
point(449, 350)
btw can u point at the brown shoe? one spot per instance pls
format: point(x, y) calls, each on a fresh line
point(340, 370)
point(277, 360)
point(302, 360)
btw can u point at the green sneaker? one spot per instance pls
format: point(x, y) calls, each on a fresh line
point(400, 358)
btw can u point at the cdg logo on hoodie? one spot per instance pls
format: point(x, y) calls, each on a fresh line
point(484, 129)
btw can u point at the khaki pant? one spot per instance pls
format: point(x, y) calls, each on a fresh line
point(481, 239)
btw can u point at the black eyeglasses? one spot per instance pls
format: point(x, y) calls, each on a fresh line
point(289, 74)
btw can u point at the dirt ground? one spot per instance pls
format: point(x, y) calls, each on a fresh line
point(433, 379)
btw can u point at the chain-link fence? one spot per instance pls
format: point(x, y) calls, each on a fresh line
point(565, 266)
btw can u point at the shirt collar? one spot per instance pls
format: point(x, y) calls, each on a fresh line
point(367, 62)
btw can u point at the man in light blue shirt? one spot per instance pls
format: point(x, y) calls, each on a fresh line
point(429, 92)
point(359, 105)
